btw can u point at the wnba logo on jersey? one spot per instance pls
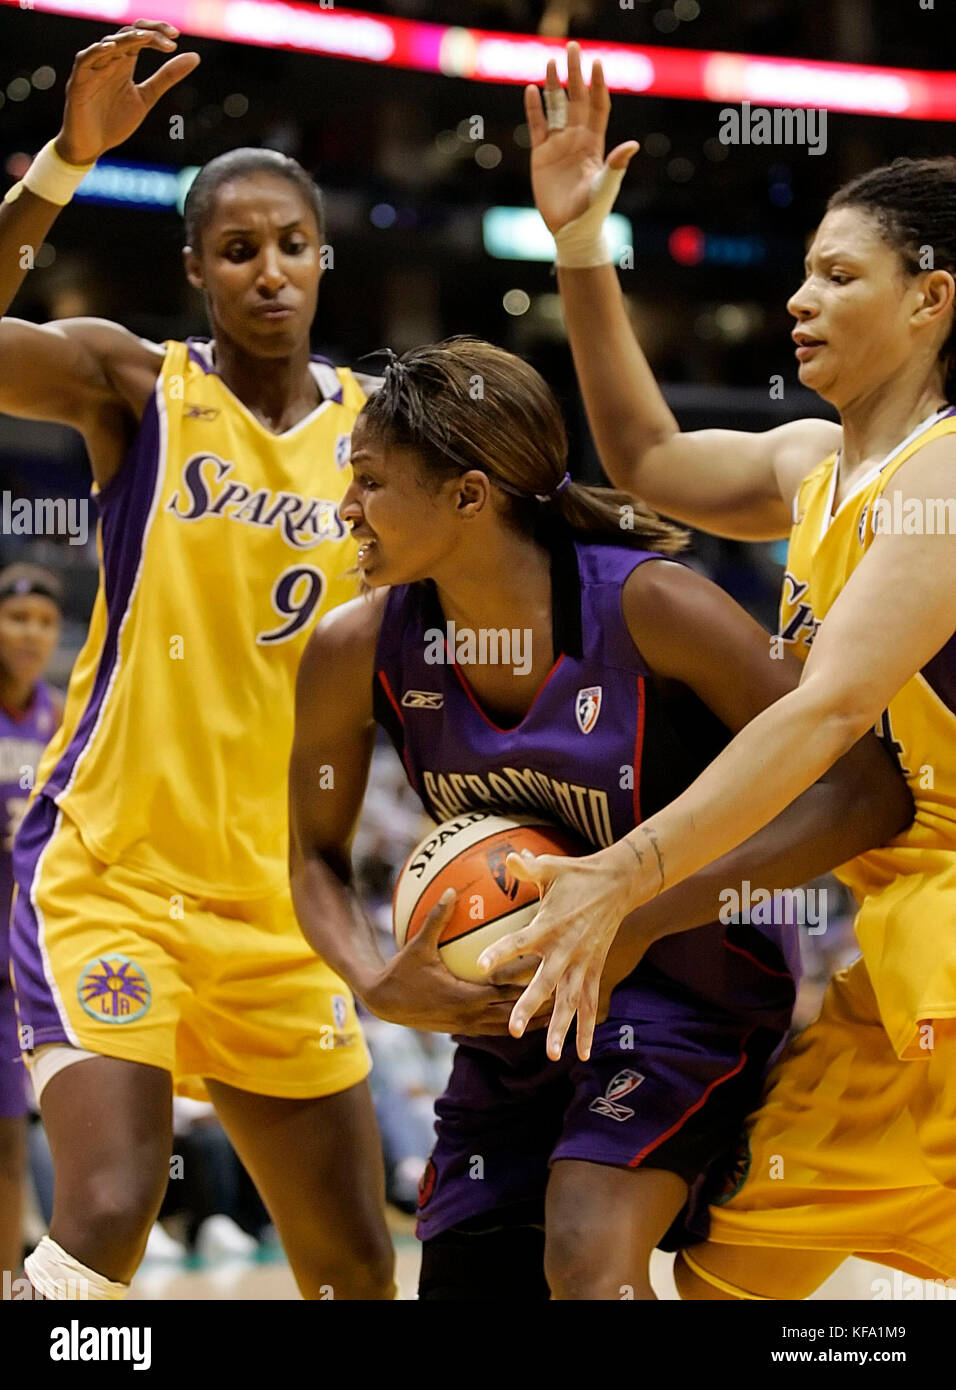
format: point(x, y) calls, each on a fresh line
point(114, 989)
point(587, 707)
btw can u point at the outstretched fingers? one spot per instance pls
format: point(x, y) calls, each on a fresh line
point(532, 1001)
point(528, 868)
point(167, 76)
point(534, 113)
point(621, 156)
point(588, 1005)
point(125, 44)
point(600, 100)
point(577, 87)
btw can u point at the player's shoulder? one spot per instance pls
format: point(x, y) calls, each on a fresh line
point(128, 363)
point(347, 631)
point(334, 683)
point(928, 471)
point(110, 341)
point(658, 587)
point(802, 449)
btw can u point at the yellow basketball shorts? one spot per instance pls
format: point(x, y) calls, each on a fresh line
point(851, 1152)
point(111, 961)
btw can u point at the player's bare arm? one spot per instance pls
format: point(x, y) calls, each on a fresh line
point(729, 482)
point(688, 630)
point(853, 671)
point(861, 802)
point(848, 680)
point(335, 730)
point(88, 373)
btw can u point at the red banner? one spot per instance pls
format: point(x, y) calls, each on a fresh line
point(486, 56)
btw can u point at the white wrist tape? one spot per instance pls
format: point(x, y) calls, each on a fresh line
point(581, 243)
point(57, 1275)
point(50, 178)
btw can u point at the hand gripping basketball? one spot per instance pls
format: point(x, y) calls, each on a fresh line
point(417, 989)
point(583, 902)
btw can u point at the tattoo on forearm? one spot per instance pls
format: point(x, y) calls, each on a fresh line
point(636, 852)
point(649, 832)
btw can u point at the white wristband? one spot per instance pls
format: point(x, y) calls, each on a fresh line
point(581, 243)
point(51, 178)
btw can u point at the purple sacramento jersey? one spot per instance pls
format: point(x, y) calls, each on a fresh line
point(679, 1060)
point(22, 740)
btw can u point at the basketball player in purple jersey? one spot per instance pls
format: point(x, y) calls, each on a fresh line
point(637, 671)
point(30, 711)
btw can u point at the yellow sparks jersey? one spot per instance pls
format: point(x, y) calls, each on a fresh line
point(220, 545)
point(907, 924)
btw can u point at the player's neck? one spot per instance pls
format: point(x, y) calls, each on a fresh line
point(16, 697)
point(877, 423)
point(279, 391)
point(503, 580)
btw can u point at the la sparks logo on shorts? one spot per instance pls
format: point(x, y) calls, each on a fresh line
point(114, 989)
point(621, 1085)
point(587, 707)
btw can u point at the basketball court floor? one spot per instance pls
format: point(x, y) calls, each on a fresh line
point(241, 1279)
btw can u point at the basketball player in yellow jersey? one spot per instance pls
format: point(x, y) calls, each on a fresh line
point(860, 1113)
point(154, 940)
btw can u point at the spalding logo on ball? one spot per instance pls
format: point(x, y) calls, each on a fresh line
point(469, 854)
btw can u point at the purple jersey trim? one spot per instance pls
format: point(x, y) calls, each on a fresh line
point(198, 357)
point(35, 998)
point(498, 728)
point(196, 346)
point(339, 395)
point(125, 508)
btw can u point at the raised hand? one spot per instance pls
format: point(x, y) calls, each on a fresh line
point(103, 103)
point(565, 163)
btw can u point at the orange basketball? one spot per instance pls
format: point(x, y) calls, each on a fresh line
point(468, 854)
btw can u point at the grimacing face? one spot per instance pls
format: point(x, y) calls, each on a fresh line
point(29, 632)
point(259, 264)
point(407, 527)
point(855, 309)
